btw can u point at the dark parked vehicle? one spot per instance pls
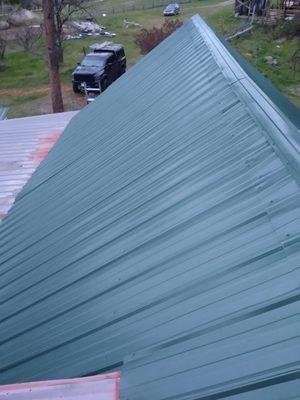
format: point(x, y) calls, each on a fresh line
point(172, 9)
point(100, 68)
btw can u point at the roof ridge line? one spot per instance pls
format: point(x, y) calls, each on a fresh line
point(282, 133)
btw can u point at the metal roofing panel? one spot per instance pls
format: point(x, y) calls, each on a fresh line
point(3, 112)
point(161, 236)
point(24, 142)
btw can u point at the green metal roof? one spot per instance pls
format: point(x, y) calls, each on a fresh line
point(160, 236)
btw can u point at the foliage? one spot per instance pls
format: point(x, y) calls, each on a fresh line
point(28, 37)
point(28, 4)
point(33, 73)
point(296, 61)
point(225, 22)
point(147, 39)
point(260, 44)
point(14, 2)
point(288, 29)
point(63, 12)
point(3, 44)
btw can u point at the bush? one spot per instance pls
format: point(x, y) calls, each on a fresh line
point(28, 37)
point(3, 44)
point(288, 29)
point(147, 39)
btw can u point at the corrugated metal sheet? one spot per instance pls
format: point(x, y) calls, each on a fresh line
point(24, 142)
point(160, 236)
point(3, 112)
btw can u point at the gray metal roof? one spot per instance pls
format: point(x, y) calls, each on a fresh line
point(3, 112)
point(24, 142)
point(160, 236)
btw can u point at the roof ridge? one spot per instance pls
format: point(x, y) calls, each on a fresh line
point(281, 131)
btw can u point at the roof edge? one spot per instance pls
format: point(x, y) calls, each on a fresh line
point(281, 129)
point(3, 113)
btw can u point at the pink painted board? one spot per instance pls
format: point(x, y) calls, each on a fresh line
point(97, 387)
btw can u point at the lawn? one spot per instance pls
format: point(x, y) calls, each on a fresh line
point(284, 75)
point(28, 72)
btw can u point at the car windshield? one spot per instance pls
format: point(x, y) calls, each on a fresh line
point(93, 61)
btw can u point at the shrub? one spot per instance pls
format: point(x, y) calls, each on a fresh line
point(147, 39)
point(3, 44)
point(28, 37)
point(288, 29)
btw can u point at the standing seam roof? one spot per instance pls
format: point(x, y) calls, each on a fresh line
point(160, 236)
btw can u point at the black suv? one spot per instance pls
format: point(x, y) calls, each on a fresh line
point(100, 68)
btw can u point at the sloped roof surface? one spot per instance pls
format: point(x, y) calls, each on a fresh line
point(160, 236)
point(24, 142)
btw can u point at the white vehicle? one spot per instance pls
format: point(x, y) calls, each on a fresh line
point(172, 9)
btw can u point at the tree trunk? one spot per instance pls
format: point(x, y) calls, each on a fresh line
point(50, 34)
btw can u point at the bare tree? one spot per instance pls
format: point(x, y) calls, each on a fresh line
point(147, 39)
point(63, 12)
point(3, 43)
point(53, 55)
point(28, 37)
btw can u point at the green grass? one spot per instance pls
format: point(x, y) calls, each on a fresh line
point(23, 70)
point(223, 21)
point(259, 44)
point(256, 47)
point(146, 18)
point(19, 105)
point(121, 6)
point(19, 100)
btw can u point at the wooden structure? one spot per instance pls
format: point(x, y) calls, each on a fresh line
point(251, 7)
point(290, 7)
point(272, 12)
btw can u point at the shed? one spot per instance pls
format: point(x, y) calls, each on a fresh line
point(249, 7)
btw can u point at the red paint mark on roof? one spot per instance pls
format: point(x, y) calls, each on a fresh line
point(44, 145)
point(24, 143)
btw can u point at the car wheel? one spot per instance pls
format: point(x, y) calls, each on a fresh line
point(104, 84)
point(75, 88)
